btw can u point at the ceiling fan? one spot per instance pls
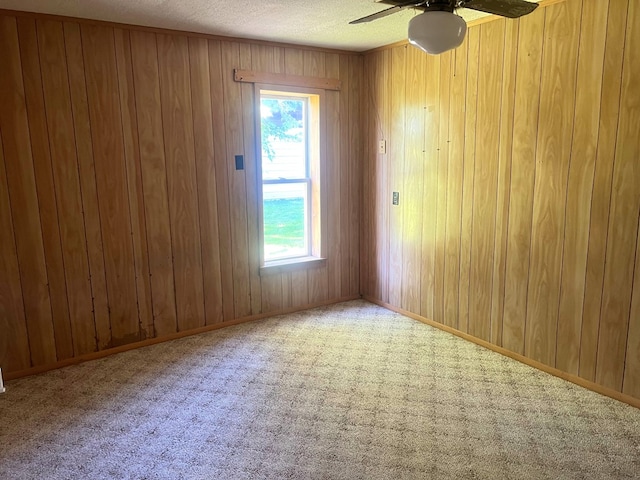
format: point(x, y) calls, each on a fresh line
point(438, 29)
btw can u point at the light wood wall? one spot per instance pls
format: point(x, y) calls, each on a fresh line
point(122, 217)
point(517, 160)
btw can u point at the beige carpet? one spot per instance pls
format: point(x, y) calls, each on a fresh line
point(350, 391)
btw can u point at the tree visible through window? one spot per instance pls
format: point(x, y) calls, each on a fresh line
point(289, 146)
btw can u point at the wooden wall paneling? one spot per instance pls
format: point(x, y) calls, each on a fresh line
point(343, 170)
point(251, 179)
point(154, 181)
point(86, 166)
point(412, 173)
point(631, 380)
point(237, 184)
point(442, 169)
point(487, 148)
point(204, 140)
point(473, 51)
point(222, 166)
point(314, 65)
point(623, 225)
point(504, 177)
point(293, 61)
point(14, 345)
point(383, 193)
point(14, 129)
point(430, 187)
point(559, 65)
point(355, 138)
point(177, 119)
point(111, 176)
point(269, 60)
point(601, 196)
point(122, 44)
point(337, 211)
point(369, 257)
point(64, 161)
point(525, 128)
point(455, 179)
point(47, 204)
point(586, 124)
point(396, 158)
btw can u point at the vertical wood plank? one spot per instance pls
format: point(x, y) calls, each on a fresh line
point(348, 158)
point(14, 344)
point(413, 173)
point(177, 119)
point(90, 206)
point(109, 157)
point(47, 203)
point(205, 139)
point(237, 183)
point(397, 165)
point(251, 180)
point(154, 180)
point(354, 174)
point(473, 50)
point(485, 178)
point(14, 129)
point(430, 185)
point(523, 153)
point(586, 124)
point(603, 175)
point(442, 169)
point(455, 179)
point(335, 162)
point(623, 225)
point(66, 178)
point(134, 181)
point(557, 100)
point(222, 175)
point(383, 206)
point(504, 178)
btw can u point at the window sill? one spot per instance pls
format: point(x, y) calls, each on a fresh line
point(292, 265)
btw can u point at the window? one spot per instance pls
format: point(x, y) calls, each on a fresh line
point(289, 131)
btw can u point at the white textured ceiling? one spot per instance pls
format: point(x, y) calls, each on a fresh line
point(322, 23)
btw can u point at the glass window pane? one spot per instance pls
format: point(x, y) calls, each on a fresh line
point(284, 152)
point(285, 220)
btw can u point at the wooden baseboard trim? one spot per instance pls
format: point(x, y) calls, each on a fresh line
point(8, 376)
point(594, 387)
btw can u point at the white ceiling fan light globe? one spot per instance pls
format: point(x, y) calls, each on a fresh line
point(436, 32)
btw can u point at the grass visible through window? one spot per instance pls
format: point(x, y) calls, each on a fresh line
point(284, 226)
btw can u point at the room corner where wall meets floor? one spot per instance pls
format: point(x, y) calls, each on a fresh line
point(516, 159)
point(514, 156)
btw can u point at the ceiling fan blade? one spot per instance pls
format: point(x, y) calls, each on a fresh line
point(381, 14)
point(504, 8)
point(405, 3)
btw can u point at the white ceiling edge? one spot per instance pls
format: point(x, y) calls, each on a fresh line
point(319, 23)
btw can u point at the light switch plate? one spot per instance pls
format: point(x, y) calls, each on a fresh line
point(382, 147)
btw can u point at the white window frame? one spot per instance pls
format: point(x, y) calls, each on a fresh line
point(316, 172)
